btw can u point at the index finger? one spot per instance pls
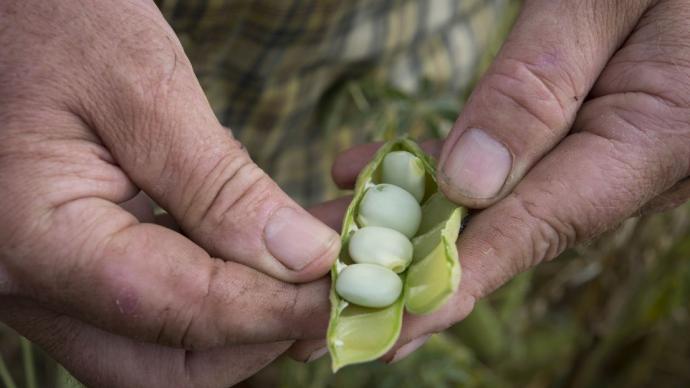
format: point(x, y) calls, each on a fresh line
point(153, 284)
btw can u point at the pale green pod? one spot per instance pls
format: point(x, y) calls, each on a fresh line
point(435, 274)
point(382, 246)
point(358, 334)
point(368, 285)
point(391, 207)
point(405, 170)
point(435, 210)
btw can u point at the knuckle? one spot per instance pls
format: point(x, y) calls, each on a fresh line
point(550, 236)
point(186, 321)
point(242, 192)
point(232, 188)
point(545, 91)
point(664, 79)
point(218, 312)
point(544, 234)
point(645, 135)
point(491, 243)
point(180, 330)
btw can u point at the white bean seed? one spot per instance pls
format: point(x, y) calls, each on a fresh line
point(368, 285)
point(405, 170)
point(391, 207)
point(383, 246)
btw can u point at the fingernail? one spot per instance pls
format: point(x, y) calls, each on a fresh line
point(478, 165)
point(296, 238)
point(317, 354)
point(409, 347)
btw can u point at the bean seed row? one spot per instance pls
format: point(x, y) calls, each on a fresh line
point(389, 215)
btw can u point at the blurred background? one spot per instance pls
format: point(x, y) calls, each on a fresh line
point(611, 313)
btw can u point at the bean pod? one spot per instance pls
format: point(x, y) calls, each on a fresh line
point(385, 230)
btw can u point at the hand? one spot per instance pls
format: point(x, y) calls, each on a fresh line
point(97, 102)
point(582, 121)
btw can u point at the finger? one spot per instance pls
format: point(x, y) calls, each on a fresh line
point(417, 328)
point(409, 348)
point(527, 101)
point(177, 293)
point(101, 359)
point(332, 212)
point(159, 126)
point(350, 162)
point(308, 350)
point(95, 261)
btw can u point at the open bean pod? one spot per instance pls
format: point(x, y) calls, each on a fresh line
point(359, 334)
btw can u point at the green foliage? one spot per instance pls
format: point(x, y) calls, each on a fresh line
point(23, 365)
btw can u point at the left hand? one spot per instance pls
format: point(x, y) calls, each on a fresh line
point(582, 121)
point(98, 101)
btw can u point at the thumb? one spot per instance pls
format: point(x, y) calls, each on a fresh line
point(528, 99)
point(162, 132)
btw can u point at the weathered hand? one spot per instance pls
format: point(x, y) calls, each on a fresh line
point(582, 121)
point(97, 102)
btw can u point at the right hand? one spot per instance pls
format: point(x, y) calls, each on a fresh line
point(550, 167)
point(97, 102)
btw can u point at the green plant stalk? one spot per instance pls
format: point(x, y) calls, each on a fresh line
point(483, 332)
point(5, 375)
point(634, 317)
point(28, 360)
point(359, 334)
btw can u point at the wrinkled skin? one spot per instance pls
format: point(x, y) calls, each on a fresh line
point(582, 121)
point(97, 102)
